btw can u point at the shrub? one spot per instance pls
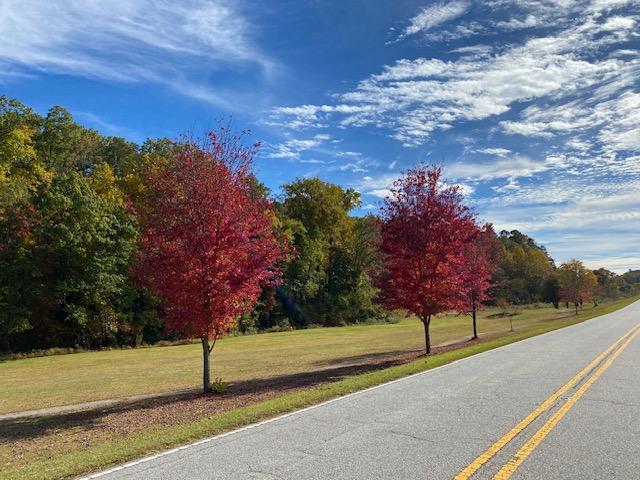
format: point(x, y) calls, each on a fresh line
point(219, 386)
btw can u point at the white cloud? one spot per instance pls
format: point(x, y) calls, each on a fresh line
point(615, 264)
point(512, 185)
point(379, 192)
point(512, 167)
point(415, 98)
point(516, 23)
point(464, 188)
point(474, 49)
point(369, 206)
point(616, 120)
point(622, 208)
point(316, 162)
point(353, 167)
point(348, 153)
point(155, 41)
point(569, 204)
point(379, 186)
point(618, 23)
point(497, 151)
point(292, 148)
point(432, 16)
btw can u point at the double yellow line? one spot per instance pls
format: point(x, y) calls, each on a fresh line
point(610, 354)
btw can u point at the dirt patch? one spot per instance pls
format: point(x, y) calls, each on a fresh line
point(24, 440)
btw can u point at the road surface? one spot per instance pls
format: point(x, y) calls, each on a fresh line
point(451, 422)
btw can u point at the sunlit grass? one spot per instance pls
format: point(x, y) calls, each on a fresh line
point(35, 383)
point(72, 463)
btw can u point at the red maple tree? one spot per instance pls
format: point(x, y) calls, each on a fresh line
point(477, 270)
point(424, 228)
point(208, 243)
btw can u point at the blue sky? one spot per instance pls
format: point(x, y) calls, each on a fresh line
point(532, 106)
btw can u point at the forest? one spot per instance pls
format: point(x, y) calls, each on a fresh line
point(87, 243)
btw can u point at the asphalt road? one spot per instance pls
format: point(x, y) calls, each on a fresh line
point(433, 425)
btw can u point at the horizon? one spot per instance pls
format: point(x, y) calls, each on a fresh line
point(532, 109)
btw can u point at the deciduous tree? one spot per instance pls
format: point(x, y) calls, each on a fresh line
point(477, 270)
point(208, 243)
point(577, 283)
point(424, 229)
point(328, 281)
point(523, 269)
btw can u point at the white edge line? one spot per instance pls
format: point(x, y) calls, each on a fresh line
point(327, 402)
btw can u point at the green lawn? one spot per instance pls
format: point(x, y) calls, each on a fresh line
point(43, 449)
point(66, 379)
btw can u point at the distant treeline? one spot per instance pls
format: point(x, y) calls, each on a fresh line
point(68, 238)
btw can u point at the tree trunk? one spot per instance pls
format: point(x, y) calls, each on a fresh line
point(206, 374)
point(576, 304)
point(475, 329)
point(427, 338)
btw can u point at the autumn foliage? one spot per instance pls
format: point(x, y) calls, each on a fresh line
point(425, 227)
point(477, 271)
point(577, 283)
point(208, 243)
point(106, 243)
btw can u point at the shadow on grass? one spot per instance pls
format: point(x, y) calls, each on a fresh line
point(31, 427)
point(248, 391)
point(367, 358)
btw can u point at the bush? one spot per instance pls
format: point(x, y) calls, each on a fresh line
point(246, 325)
point(219, 386)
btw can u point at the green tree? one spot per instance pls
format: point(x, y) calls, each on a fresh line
point(17, 271)
point(20, 169)
point(83, 247)
point(551, 290)
point(65, 146)
point(523, 270)
point(328, 281)
point(609, 283)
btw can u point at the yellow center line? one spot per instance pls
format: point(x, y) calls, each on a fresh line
point(507, 470)
point(483, 458)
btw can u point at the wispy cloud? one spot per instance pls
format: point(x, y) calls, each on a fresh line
point(498, 151)
point(292, 148)
point(106, 126)
point(615, 122)
point(159, 41)
point(573, 204)
point(432, 16)
point(511, 167)
point(415, 98)
point(615, 263)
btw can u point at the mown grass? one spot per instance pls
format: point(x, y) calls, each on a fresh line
point(35, 383)
point(72, 463)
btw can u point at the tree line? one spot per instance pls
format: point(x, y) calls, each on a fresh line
point(104, 242)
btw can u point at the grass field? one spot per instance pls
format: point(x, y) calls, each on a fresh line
point(42, 382)
point(47, 448)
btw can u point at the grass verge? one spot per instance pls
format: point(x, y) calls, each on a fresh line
point(48, 382)
point(103, 455)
